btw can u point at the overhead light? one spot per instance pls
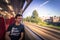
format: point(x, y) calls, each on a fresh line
point(10, 7)
point(0, 8)
point(7, 1)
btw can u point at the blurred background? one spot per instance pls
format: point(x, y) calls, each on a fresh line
point(40, 17)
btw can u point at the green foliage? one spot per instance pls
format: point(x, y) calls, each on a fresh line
point(35, 14)
point(27, 19)
point(35, 18)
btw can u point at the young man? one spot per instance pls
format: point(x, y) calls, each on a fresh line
point(16, 30)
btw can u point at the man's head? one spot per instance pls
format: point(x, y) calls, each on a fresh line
point(18, 18)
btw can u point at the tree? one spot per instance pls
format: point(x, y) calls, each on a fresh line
point(34, 17)
point(35, 14)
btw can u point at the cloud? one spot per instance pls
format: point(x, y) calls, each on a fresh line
point(44, 3)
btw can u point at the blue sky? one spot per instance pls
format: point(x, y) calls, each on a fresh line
point(44, 8)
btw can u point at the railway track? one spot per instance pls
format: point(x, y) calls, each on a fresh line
point(45, 33)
